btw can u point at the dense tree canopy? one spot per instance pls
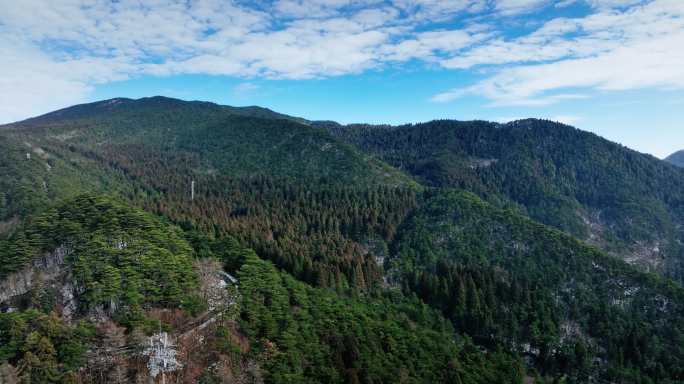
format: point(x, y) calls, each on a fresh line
point(625, 202)
point(356, 260)
point(125, 261)
point(118, 256)
point(310, 335)
point(506, 280)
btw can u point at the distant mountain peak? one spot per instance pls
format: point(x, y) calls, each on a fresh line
point(97, 108)
point(676, 158)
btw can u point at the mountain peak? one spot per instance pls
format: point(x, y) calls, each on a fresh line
point(676, 158)
point(153, 103)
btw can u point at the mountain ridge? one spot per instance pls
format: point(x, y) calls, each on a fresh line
point(676, 158)
point(83, 110)
point(433, 247)
point(123, 286)
point(574, 180)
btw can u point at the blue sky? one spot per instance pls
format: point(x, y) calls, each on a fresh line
point(614, 67)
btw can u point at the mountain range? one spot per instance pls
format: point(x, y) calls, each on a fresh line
point(160, 239)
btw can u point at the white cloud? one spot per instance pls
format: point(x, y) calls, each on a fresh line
point(315, 8)
point(33, 82)
point(565, 3)
point(426, 45)
point(55, 52)
point(614, 3)
point(600, 3)
point(436, 10)
point(611, 50)
point(511, 7)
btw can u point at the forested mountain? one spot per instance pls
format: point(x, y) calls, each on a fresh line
point(676, 158)
point(158, 239)
point(625, 202)
point(93, 282)
point(296, 194)
point(202, 138)
point(102, 108)
point(508, 281)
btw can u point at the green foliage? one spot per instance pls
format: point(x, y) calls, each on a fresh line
point(232, 141)
point(558, 175)
point(120, 258)
point(18, 176)
point(320, 234)
point(508, 281)
point(322, 211)
point(32, 177)
point(303, 334)
point(291, 191)
point(45, 349)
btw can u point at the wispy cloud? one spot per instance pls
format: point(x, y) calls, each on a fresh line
point(613, 50)
point(55, 52)
point(511, 7)
point(245, 89)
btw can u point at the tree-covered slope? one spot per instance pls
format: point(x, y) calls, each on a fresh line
point(336, 224)
point(119, 257)
point(676, 158)
point(625, 202)
point(208, 138)
point(308, 335)
point(31, 177)
point(70, 272)
point(126, 105)
point(94, 286)
point(296, 194)
point(508, 281)
point(158, 146)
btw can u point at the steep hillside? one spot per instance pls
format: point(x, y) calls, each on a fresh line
point(293, 192)
point(264, 248)
point(207, 138)
point(120, 258)
point(627, 203)
point(312, 335)
point(676, 158)
point(96, 291)
point(508, 281)
point(31, 177)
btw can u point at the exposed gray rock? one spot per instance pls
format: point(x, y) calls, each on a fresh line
point(45, 268)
